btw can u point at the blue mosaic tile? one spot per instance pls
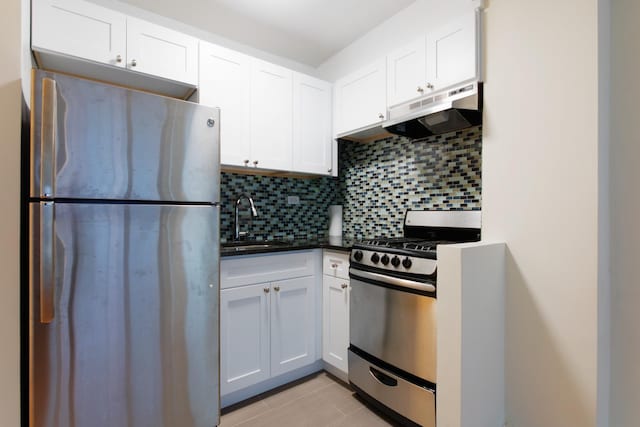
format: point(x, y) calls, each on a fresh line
point(377, 183)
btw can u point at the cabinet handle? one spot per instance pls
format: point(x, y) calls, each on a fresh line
point(134, 63)
point(266, 290)
point(344, 286)
point(429, 85)
point(119, 59)
point(381, 116)
point(276, 288)
point(255, 163)
point(420, 89)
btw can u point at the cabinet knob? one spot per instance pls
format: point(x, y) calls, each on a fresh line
point(255, 163)
point(344, 286)
point(119, 59)
point(420, 89)
point(381, 116)
point(246, 162)
point(266, 290)
point(134, 62)
point(429, 85)
point(276, 288)
point(329, 170)
point(334, 265)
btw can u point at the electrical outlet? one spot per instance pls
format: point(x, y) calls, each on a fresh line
point(293, 200)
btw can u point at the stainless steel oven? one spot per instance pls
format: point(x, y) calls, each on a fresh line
point(392, 355)
point(393, 322)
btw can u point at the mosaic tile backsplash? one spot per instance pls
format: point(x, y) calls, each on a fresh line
point(377, 183)
point(276, 219)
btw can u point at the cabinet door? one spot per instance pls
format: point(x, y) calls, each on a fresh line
point(361, 98)
point(80, 29)
point(161, 52)
point(452, 53)
point(335, 321)
point(244, 337)
point(292, 324)
point(271, 116)
point(311, 125)
point(225, 83)
point(407, 72)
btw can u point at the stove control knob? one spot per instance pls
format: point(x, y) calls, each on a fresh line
point(385, 259)
point(375, 258)
point(395, 261)
point(357, 255)
point(406, 263)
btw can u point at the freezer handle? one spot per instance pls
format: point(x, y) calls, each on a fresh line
point(49, 131)
point(47, 273)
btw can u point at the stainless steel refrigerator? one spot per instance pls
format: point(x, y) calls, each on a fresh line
point(123, 258)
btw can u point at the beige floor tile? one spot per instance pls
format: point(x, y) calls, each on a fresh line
point(243, 413)
point(363, 417)
point(319, 401)
point(298, 390)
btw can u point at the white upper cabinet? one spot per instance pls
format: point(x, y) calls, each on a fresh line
point(452, 53)
point(79, 29)
point(271, 116)
point(312, 141)
point(361, 98)
point(444, 57)
point(225, 83)
point(165, 53)
point(406, 68)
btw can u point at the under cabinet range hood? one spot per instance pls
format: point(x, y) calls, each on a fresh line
point(451, 110)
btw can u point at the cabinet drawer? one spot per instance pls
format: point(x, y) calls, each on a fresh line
point(336, 264)
point(251, 269)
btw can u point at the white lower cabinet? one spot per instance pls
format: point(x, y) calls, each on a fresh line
point(335, 327)
point(270, 328)
point(244, 336)
point(335, 309)
point(292, 324)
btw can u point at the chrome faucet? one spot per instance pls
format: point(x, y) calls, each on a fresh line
point(254, 213)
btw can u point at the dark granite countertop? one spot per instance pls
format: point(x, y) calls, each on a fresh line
point(267, 246)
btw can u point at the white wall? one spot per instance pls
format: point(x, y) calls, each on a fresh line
point(625, 214)
point(9, 215)
point(403, 27)
point(541, 195)
point(470, 335)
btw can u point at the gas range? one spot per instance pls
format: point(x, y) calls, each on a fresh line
point(416, 252)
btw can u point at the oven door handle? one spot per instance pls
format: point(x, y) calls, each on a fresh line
point(389, 280)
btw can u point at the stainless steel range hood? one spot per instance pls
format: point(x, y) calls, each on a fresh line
point(451, 110)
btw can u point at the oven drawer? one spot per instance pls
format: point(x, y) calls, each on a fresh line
point(394, 325)
point(409, 400)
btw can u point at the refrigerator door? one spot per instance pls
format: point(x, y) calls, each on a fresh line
point(124, 315)
point(96, 141)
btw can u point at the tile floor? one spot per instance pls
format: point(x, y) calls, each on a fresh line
point(315, 401)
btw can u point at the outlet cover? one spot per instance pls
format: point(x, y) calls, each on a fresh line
point(293, 200)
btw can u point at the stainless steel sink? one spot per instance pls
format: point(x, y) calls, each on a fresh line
point(250, 244)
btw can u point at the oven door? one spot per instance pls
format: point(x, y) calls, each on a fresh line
point(394, 320)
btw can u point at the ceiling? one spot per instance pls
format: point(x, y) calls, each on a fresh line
point(306, 31)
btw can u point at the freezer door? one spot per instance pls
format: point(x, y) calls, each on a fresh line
point(95, 141)
point(124, 315)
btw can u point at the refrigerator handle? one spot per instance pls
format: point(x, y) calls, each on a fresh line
point(49, 132)
point(47, 273)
